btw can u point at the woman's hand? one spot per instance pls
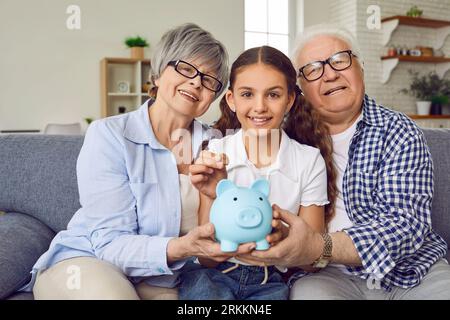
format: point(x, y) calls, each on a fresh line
point(207, 171)
point(200, 242)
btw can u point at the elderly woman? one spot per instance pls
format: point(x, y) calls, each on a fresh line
point(137, 224)
point(380, 243)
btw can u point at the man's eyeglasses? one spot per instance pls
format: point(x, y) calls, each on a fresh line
point(189, 71)
point(339, 61)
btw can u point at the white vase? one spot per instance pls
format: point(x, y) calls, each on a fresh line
point(423, 107)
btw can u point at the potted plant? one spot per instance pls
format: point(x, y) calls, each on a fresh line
point(424, 88)
point(88, 120)
point(137, 45)
point(437, 102)
point(414, 12)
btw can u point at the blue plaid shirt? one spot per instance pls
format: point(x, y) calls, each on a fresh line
point(388, 189)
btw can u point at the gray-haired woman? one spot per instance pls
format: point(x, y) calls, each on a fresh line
point(137, 224)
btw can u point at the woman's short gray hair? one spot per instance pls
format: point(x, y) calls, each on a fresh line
point(332, 30)
point(186, 42)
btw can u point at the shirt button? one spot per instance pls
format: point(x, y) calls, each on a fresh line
point(160, 270)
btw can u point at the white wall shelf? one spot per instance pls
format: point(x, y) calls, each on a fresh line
point(391, 23)
point(388, 64)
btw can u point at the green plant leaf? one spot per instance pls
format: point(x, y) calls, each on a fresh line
point(425, 87)
point(136, 42)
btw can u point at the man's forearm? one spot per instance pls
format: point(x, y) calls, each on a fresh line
point(344, 251)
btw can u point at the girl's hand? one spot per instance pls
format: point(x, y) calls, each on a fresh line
point(207, 171)
point(200, 242)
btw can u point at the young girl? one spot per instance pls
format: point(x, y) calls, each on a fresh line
point(278, 138)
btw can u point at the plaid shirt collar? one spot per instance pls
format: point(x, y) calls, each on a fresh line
point(372, 114)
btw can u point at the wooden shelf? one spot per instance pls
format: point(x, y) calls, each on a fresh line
point(118, 94)
point(114, 70)
point(389, 24)
point(430, 116)
point(125, 60)
point(418, 59)
point(418, 22)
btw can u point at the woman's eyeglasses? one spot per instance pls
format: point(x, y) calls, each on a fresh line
point(189, 71)
point(339, 61)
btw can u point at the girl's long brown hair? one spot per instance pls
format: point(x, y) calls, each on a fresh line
point(302, 123)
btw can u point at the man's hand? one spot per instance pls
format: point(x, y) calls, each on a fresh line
point(207, 171)
point(300, 245)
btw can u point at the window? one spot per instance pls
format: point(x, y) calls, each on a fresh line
point(267, 23)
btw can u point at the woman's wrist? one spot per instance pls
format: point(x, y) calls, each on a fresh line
point(175, 250)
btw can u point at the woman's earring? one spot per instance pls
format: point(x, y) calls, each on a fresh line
point(233, 109)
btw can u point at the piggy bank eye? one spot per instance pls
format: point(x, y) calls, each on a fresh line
point(260, 198)
point(234, 199)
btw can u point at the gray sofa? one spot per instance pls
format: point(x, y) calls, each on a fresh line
point(39, 195)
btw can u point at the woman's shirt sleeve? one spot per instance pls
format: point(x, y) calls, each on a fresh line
point(109, 207)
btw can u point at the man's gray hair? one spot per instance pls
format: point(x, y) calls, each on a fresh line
point(332, 30)
point(188, 42)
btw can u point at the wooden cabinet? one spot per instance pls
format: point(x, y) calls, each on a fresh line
point(122, 85)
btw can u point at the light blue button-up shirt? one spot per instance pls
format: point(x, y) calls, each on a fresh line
point(130, 200)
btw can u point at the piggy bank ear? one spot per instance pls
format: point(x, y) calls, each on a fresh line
point(262, 186)
point(223, 186)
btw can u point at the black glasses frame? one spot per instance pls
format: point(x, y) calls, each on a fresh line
point(324, 62)
point(202, 75)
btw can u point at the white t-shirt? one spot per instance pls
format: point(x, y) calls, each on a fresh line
point(297, 178)
point(341, 146)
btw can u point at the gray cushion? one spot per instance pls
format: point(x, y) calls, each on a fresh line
point(23, 240)
point(38, 177)
point(21, 296)
point(439, 143)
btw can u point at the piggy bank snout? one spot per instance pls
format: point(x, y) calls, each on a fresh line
point(249, 217)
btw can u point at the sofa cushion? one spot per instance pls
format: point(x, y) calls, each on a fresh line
point(23, 240)
point(38, 177)
point(439, 143)
point(21, 296)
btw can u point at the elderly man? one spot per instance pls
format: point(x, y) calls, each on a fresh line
point(380, 243)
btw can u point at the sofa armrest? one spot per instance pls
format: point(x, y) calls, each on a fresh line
point(23, 240)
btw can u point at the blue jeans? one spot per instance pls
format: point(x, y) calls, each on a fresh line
point(242, 283)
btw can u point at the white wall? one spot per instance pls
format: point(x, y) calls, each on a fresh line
point(315, 11)
point(370, 42)
point(353, 15)
point(51, 74)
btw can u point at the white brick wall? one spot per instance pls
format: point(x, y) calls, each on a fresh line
point(343, 12)
point(372, 49)
point(353, 15)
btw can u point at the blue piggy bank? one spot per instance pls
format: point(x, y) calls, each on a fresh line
point(241, 215)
